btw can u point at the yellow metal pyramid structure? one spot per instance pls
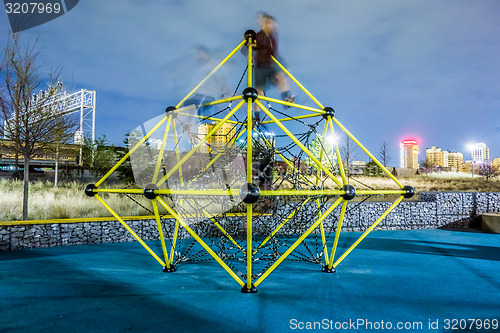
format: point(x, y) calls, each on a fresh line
point(225, 188)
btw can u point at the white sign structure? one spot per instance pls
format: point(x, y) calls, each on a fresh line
point(82, 102)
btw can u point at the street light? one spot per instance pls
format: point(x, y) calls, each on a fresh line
point(472, 147)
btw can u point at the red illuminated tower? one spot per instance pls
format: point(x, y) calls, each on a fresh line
point(409, 154)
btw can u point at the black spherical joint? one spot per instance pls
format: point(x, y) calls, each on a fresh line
point(410, 192)
point(250, 93)
point(89, 190)
point(250, 34)
point(329, 112)
point(170, 269)
point(251, 290)
point(350, 192)
point(328, 270)
point(149, 191)
point(249, 193)
point(170, 109)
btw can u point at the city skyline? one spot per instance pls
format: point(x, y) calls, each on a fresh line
point(470, 152)
point(391, 70)
point(478, 152)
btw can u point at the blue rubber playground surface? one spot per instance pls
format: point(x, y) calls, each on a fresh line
point(401, 281)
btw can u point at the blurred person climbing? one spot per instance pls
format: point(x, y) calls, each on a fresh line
point(266, 71)
point(213, 89)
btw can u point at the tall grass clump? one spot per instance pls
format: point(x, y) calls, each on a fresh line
point(66, 201)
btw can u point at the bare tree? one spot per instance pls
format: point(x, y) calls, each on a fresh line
point(28, 120)
point(383, 153)
point(348, 151)
point(63, 133)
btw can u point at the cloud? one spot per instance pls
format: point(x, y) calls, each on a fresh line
point(393, 64)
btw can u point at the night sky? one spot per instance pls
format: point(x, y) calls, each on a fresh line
point(392, 69)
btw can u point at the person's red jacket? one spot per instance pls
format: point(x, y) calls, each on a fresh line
point(266, 47)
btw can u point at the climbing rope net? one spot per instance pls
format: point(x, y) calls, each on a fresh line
point(246, 194)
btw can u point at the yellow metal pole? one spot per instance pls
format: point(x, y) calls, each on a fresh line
point(226, 234)
point(249, 168)
point(294, 139)
point(281, 225)
point(321, 227)
point(160, 231)
point(373, 226)
point(293, 118)
point(298, 106)
point(76, 220)
point(249, 246)
point(162, 149)
point(118, 190)
point(250, 62)
point(370, 192)
point(337, 152)
point(124, 158)
point(216, 102)
point(297, 242)
point(174, 241)
point(298, 83)
point(318, 172)
point(132, 232)
point(201, 242)
point(223, 100)
point(367, 152)
point(236, 192)
point(198, 192)
point(323, 238)
point(200, 143)
point(299, 192)
point(337, 233)
point(220, 227)
point(176, 228)
point(211, 73)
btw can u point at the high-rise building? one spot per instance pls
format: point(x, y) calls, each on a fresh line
point(408, 154)
point(455, 161)
point(220, 139)
point(436, 157)
point(467, 166)
point(480, 153)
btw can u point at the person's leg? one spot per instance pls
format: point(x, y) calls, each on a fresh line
point(282, 84)
point(256, 109)
point(260, 83)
